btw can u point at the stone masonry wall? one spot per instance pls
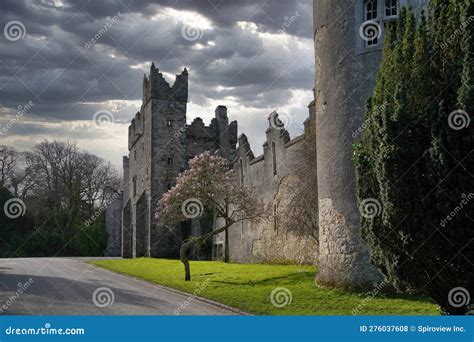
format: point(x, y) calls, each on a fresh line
point(268, 241)
point(113, 219)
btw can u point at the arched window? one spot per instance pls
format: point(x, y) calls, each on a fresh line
point(274, 158)
point(371, 10)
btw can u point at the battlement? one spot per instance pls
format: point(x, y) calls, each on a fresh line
point(219, 136)
point(276, 134)
point(155, 86)
point(221, 112)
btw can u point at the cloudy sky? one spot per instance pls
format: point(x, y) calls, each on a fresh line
point(63, 61)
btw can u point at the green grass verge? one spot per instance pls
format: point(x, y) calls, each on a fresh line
point(248, 287)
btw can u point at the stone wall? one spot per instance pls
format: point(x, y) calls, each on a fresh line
point(273, 175)
point(113, 219)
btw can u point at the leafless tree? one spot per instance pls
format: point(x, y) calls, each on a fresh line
point(71, 182)
point(8, 165)
point(99, 180)
point(14, 175)
point(299, 212)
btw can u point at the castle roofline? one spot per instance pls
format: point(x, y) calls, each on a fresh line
point(156, 86)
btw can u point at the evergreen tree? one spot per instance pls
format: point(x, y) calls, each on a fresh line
point(416, 154)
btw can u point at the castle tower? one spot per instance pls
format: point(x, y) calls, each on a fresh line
point(344, 80)
point(168, 152)
point(156, 156)
point(160, 144)
point(347, 60)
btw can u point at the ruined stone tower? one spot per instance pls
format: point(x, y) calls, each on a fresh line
point(156, 156)
point(347, 60)
point(160, 144)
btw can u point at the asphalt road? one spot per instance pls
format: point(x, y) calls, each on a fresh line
point(69, 286)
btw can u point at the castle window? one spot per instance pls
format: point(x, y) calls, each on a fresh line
point(371, 13)
point(135, 155)
point(242, 229)
point(241, 172)
point(380, 12)
point(169, 123)
point(170, 161)
point(371, 9)
point(274, 158)
point(134, 181)
point(391, 8)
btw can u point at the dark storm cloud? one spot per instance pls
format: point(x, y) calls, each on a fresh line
point(270, 14)
point(242, 55)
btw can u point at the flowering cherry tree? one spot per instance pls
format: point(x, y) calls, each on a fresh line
point(209, 184)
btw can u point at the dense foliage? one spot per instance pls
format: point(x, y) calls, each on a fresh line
point(51, 198)
point(415, 156)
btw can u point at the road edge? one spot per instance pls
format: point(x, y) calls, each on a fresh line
point(170, 289)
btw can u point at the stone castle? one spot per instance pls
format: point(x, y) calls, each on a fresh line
point(160, 144)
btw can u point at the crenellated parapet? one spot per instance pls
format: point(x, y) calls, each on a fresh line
point(276, 178)
point(155, 86)
point(219, 137)
point(179, 90)
point(276, 148)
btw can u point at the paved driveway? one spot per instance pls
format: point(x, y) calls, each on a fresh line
point(69, 286)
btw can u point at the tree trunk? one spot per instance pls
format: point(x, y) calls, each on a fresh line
point(226, 247)
point(187, 271)
point(184, 255)
point(185, 250)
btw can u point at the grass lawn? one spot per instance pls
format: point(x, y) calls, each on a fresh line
point(248, 287)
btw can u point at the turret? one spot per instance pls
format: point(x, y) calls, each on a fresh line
point(344, 80)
